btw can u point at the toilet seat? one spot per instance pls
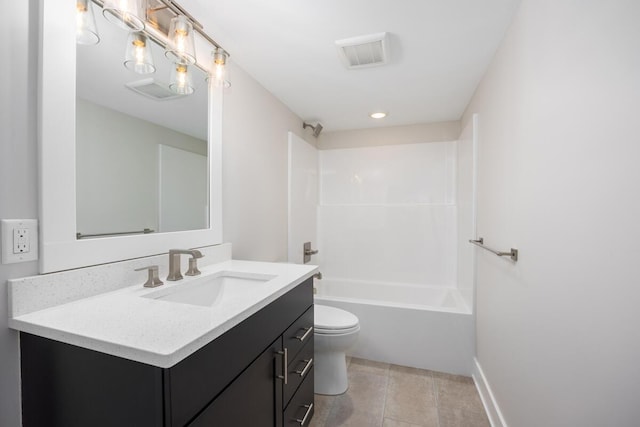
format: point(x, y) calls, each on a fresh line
point(319, 331)
point(334, 321)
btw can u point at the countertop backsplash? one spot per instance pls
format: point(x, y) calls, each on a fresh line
point(34, 293)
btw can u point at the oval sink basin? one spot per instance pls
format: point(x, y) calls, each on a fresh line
point(208, 291)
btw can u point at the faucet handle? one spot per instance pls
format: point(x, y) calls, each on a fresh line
point(193, 267)
point(153, 280)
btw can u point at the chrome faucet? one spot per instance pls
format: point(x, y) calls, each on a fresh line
point(174, 263)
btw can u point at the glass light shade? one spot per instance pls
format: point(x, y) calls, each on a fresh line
point(138, 56)
point(181, 46)
point(180, 81)
point(220, 70)
point(86, 31)
point(127, 14)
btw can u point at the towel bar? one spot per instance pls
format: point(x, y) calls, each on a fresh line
point(513, 253)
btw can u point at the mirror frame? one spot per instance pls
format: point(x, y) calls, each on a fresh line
point(59, 248)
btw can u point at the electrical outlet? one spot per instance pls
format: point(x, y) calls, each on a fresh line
point(19, 240)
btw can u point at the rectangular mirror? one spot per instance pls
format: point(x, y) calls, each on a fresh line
point(162, 175)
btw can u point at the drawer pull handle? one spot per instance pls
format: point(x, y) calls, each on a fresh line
point(285, 365)
point(306, 414)
point(306, 367)
point(306, 334)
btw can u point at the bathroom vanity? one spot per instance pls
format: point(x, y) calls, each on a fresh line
point(257, 370)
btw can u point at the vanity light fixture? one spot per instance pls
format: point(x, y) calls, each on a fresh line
point(138, 56)
point(127, 14)
point(181, 47)
point(220, 71)
point(180, 81)
point(164, 22)
point(378, 115)
point(86, 31)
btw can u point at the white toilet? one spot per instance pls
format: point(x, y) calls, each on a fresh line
point(335, 331)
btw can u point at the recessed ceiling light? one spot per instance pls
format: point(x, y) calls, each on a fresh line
point(379, 115)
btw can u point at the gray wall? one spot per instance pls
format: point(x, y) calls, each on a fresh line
point(558, 176)
point(391, 135)
point(254, 169)
point(18, 172)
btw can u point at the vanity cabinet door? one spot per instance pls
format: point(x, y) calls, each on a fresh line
point(252, 400)
point(68, 386)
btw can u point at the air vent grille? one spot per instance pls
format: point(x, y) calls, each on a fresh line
point(364, 51)
point(153, 89)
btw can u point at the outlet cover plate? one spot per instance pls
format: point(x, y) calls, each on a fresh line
point(27, 229)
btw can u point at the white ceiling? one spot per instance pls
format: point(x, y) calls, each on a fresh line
point(439, 51)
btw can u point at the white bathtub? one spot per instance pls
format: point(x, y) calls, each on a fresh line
point(409, 325)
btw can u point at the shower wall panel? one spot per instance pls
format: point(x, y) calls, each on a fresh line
point(388, 213)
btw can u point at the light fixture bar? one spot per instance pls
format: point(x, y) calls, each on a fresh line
point(126, 14)
point(179, 10)
point(160, 35)
point(176, 9)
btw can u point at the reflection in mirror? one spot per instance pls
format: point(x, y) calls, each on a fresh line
point(141, 149)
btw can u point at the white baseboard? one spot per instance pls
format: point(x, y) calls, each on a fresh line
point(486, 395)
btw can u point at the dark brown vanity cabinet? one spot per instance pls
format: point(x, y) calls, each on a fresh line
point(236, 380)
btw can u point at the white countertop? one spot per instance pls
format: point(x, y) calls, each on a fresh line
point(161, 333)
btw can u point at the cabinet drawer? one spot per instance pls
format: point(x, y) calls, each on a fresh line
point(298, 334)
point(301, 408)
point(298, 369)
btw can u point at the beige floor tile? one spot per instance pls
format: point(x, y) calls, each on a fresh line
point(462, 418)
point(383, 395)
point(458, 402)
point(411, 397)
point(460, 379)
point(363, 365)
point(323, 405)
point(407, 371)
point(454, 391)
point(362, 405)
point(388, 422)
point(366, 388)
point(347, 416)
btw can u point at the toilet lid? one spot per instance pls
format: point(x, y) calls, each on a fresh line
point(331, 318)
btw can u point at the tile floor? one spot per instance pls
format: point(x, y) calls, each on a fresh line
point(384, 395)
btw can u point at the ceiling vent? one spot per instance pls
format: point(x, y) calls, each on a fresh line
point(364, 51)
point(153, 89)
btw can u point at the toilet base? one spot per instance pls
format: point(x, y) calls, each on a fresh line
point(330, 376)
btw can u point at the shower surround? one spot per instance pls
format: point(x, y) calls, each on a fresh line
point(388, 230)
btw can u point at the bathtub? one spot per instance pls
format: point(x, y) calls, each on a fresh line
point(418, 326)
